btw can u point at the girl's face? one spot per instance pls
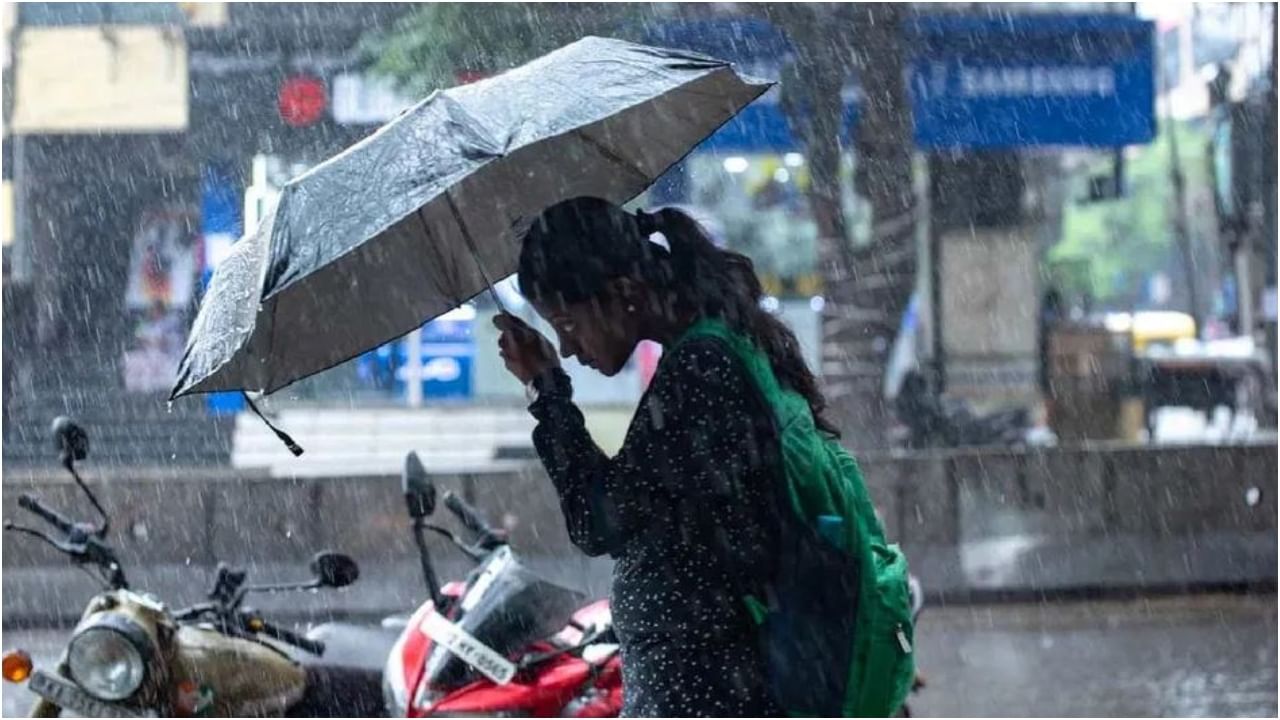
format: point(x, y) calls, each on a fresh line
point(602, 333)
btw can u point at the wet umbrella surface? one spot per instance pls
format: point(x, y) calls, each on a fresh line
point(423, 214)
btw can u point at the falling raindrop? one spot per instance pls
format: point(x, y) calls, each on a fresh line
point(1253, 496)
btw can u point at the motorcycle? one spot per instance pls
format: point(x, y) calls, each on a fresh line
point(504, 643)
point(927, 419)
point(130, 655)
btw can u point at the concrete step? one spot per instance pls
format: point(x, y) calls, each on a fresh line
point(358, 440)
point(371, 464)
point(375, 441)
point(101, 405)
point(458, 420)
point(143, 454)
point(125, 429)
point(201, 441)
point(125, 426)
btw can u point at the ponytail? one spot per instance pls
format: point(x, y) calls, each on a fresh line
point(712, 282)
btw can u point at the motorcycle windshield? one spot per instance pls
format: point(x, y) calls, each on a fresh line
point(506, 607)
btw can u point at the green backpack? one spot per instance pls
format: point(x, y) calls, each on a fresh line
point(835, 623)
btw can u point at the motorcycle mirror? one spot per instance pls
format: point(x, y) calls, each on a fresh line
point(71, 441)
point(334, 570)
point(419, 491)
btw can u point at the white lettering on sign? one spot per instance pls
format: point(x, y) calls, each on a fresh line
point(1038, 81)
point(361, 100)
point(483, 658)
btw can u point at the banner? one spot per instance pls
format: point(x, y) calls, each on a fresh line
point(1018, 80)
point(1033, 80)
point(164, 268)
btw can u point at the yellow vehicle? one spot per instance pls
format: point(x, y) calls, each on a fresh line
point(1152, 327)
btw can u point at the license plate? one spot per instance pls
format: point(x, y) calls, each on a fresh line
point(483, 658)
point(68, 696)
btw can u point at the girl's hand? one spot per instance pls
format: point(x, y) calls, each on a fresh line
point(525, 351)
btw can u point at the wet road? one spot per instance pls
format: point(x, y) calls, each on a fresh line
point(1199, 656)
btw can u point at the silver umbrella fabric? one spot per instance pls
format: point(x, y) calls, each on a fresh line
point(429, 210)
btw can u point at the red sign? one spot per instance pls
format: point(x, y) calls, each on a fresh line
point(302, 101)
point(466, 77)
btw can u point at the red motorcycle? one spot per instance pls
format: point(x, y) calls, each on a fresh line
point(504, 643)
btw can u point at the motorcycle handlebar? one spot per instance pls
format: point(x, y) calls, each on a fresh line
point(33, 505)
point(315, 647)
point(467, 515)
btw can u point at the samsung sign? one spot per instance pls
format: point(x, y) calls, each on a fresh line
point(1013, 81)
point(1033, 80)
point(975, 82)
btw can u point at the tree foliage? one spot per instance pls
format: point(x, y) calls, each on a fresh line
point(439, 43)
point(1126, 240)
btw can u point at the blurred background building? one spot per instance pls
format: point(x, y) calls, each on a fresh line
point(141, 140)
point(1092, 257)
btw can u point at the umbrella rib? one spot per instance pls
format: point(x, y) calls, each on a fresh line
point(612, 156)
point(471, 245)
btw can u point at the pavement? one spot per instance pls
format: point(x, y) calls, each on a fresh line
point(1196, 655)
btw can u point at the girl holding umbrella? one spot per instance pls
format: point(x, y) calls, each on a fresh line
point(688, 507)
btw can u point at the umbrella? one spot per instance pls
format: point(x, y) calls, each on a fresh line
point(428, 211)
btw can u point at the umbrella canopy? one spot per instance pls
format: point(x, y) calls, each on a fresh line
point(429, 210)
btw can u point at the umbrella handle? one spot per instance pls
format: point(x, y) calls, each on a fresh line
point(493, 293)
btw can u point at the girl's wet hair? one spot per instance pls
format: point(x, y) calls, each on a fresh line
point(576, 247)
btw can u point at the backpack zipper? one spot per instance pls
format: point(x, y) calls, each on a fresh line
point(903, 642)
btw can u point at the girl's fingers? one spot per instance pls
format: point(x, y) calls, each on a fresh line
point(507, 322)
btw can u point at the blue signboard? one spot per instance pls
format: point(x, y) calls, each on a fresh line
point(219, 215)
point(1033, 80)
point(219, 229)
point(448, 357)
point(1014, 81)
point(758, 49)
point(762, 127)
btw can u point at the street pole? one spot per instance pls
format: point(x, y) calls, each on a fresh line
point(1244, 276)
point(1180, 222)
point(21, 238)
point(413, 368)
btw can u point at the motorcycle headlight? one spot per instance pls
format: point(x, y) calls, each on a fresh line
point(109, 658)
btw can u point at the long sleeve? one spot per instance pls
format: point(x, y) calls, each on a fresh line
point(689, 448)
point(689, 510)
